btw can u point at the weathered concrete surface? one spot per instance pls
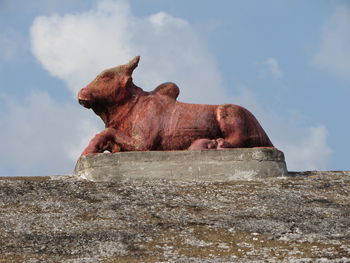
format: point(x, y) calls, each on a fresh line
point(289, 219)
point(212, 165)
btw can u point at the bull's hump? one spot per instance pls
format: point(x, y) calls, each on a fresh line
point(168, 89)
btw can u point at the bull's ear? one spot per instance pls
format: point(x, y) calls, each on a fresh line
point(132, 65)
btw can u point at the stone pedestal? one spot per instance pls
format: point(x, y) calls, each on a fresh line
point(212, 165)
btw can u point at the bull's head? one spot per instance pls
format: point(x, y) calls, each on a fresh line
point(110, 87)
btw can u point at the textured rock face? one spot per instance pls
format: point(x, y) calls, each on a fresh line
point(62, 219)
point(221, 165)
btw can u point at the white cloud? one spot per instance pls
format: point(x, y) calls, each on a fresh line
point(77, 47)
point(270, 68)
point(40, 136)
point(334, 52)
point(305, 147)
point(311, 151)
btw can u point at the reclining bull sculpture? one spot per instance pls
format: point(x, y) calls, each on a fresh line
point(137, 120)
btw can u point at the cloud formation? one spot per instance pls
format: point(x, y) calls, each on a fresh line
point(270, 68)
point(334, 52)
point(77, 47)
point(273, 67)
point(311, 150)
point(40, 136)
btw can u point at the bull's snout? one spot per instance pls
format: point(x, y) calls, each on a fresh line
point(85, 103)
point(84, 98)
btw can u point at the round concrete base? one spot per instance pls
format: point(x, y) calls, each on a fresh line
point(212, 165)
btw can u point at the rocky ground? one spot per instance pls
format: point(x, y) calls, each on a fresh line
point(302, 218)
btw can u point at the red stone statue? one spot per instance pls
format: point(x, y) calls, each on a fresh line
point(137, 120)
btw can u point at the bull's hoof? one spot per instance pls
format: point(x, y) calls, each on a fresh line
point(203, 144)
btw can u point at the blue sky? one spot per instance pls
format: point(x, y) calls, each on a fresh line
point(286, 61)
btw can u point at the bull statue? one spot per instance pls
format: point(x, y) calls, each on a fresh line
point(137, 120)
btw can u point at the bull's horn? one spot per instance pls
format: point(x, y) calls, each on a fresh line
point(132, 64)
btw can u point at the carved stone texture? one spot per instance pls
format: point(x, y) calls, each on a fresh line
point(137, 120)
point(200, 166)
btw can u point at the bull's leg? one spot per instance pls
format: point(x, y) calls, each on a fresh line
point(103, 141)
point(203, 144)
point(232, 125)
point(240, 128)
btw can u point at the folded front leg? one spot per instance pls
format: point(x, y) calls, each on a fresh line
point(103, 141)
point(114, 141)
